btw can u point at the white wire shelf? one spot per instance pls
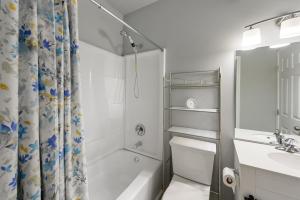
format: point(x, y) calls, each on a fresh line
point(194, 132)
point(194, 109)
point(194, 73)
point(193, 86)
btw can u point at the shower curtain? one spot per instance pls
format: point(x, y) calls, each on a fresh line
point(41, 142)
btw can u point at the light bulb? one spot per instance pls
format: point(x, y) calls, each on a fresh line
point(276, 46)
point(251, 37)
point(290, 28)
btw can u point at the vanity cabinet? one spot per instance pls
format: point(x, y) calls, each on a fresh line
point(256, 179)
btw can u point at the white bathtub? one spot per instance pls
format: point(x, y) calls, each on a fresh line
point(124, 175)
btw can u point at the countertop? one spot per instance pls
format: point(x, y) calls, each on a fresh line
point(268, 158)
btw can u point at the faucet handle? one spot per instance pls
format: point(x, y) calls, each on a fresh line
point(289, 141)
point(290, 145)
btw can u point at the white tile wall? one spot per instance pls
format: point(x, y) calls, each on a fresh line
point(102, 76)
point(102, 95)
point(148, 109)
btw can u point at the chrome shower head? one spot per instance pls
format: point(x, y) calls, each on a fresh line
point(131, 41)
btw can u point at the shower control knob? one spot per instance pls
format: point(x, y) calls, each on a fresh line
point(140, 129)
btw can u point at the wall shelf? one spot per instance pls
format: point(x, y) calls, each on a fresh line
point(195, 73)
point(189, 86)
point(194, 132)
point(194, 110)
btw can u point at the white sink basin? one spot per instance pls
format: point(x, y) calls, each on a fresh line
point(289, 160)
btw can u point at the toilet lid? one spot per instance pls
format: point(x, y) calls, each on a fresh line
point(184, 189)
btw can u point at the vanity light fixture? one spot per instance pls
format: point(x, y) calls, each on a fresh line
point(290, 28)
point(251, 37)
point(276, 46)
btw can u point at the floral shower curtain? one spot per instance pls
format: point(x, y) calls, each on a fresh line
point(41, 143)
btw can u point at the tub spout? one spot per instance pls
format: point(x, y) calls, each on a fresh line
point(138, 144)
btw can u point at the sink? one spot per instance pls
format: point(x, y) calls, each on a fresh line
point(266, 172)
point(289, 160)
point(266, 157)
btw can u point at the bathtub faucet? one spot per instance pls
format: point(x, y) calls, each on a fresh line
point(138, 144)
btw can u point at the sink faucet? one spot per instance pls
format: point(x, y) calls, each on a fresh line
point(288, 145)
point(138, 144)
point(279, 136)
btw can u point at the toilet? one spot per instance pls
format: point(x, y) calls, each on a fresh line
point(193, 162)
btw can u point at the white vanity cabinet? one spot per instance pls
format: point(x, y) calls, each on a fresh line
point(266, 173)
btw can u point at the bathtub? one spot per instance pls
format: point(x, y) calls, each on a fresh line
point(124, 175)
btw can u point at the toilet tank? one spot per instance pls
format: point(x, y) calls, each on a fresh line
point(193, 159)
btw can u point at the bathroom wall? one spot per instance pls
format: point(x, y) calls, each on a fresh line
point(258, 89)
point(148, 108)
point(98, 28)
point(205, 34)
point(102, 96)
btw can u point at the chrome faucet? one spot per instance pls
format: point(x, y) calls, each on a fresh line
point(279, 136)
point(138, 144)
point(288, 145)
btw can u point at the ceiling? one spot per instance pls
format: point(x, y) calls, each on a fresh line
point(128, 6)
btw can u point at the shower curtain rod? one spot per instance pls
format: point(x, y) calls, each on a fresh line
point(100, 6)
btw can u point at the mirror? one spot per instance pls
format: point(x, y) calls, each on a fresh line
point(268, 89)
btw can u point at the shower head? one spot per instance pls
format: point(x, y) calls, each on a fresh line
point(131, 41)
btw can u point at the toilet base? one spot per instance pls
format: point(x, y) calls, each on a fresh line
point(184, 189)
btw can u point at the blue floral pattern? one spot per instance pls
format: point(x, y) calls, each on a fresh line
point(41, 140)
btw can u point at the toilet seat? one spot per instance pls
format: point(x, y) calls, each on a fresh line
point(184, 189)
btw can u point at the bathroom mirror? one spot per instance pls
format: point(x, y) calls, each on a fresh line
point(268, 89)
